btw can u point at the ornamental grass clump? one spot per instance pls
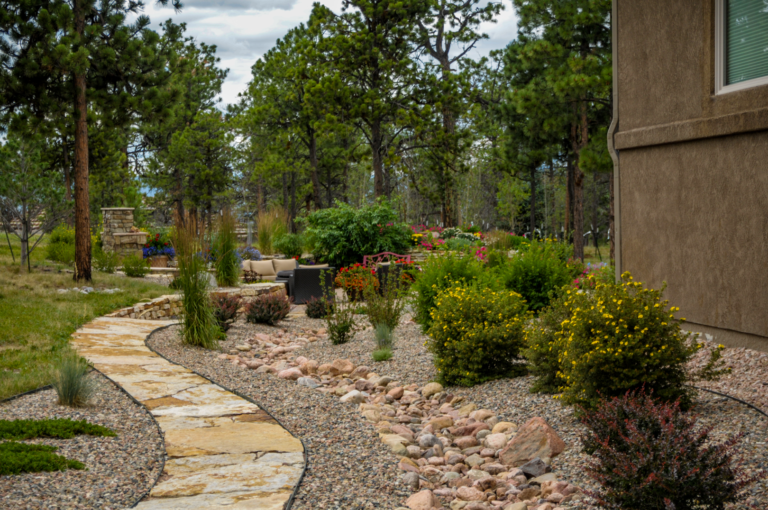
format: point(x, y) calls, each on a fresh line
point(477, 335)
point(225, 245)
point(72, 384)
point(649, 455)
point(198, 320)
point(268, 309)
point(615, 338)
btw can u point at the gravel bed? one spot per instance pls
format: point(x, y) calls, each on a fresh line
point(120, 469)
point(348, 468)
point(318, 419)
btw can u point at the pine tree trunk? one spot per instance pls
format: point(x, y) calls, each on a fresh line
point(377, 139)
point(82, 206)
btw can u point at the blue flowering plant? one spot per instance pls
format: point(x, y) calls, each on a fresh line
point(158, 245)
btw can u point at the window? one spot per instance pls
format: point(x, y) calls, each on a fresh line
point(741, 39)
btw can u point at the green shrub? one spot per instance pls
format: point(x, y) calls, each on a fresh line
point(620, 337)
point(71, 382)
point(535, 274)
point(340, 321)
point(385, 306)
point(135, 266)
point(227, 261)
point(198, 320)
point(544, 345)
point(439, 273)
point(458, 244)
point(317, 308)
point(17, 458)
point(477, 335)
point(61, 245)
point(290, 245)
point(106, 262)
point(650, 455)
point(225, 310)
point(268, 309)
point(342, 235)
point(60, 428)
point(384, 354)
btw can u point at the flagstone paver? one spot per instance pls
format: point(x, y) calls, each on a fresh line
point(223, 451)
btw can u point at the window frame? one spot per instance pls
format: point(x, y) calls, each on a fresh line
point(721, 55)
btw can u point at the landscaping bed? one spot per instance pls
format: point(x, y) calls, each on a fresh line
point(118, 470)
point(349, 467)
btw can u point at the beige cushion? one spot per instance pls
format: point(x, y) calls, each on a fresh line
point(246, 265)
point(284, 265)
point(316, 266)
point(263, 267)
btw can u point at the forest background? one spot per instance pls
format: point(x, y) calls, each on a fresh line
point(379, 99)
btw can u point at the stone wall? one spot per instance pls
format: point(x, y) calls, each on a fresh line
point(118, 234)
point(170, 305)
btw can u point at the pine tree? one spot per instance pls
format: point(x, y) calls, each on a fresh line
point(83, 53)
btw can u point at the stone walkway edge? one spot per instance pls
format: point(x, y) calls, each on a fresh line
point(223, 451)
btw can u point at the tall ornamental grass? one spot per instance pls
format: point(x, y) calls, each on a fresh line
point(227, 260)
point(270, 225)
point(71, 382)
point(198, 320)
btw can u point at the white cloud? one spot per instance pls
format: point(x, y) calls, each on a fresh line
point(243, 30)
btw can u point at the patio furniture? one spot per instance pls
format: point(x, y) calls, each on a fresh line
point(305, 282)
point(255, 270)
point(373, 260)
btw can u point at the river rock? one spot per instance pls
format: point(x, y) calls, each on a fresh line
point(534, 439)
point(354, 397)
point(292, 374)
point(423, 500)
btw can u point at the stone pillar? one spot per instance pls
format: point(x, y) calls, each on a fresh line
point(118, 234)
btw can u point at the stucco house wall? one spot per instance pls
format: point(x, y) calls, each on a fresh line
point(693, 171)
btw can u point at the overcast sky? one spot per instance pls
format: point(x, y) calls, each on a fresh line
point(243, 30)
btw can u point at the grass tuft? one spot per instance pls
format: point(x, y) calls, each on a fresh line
point(382, 354)
point(72, 383)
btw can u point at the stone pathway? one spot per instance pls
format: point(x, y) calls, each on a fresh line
point(222, 450)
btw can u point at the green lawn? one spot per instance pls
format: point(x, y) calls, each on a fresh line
point(36, 321)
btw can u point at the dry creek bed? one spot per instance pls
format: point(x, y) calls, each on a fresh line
point(349, 468)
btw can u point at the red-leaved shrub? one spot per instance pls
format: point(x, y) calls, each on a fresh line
point(225, 309)
point(268, 309)
point(649, 455)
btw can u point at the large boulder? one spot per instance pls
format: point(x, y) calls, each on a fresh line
point(534, 439)
point(423, 500)
point(431, 389)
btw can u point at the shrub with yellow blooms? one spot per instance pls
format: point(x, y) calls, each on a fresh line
point(620, 337)
point(477, 334)
point(544, 344)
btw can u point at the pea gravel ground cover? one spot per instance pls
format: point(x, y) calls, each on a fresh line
point(119, 470)
point(348, 467)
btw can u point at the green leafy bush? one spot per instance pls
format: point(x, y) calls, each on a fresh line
point(71, 382)
point(620, 337)
point(317, 308)
point(105, 261)
point(439, 273)
point(60, 428)
point(268, 309)
point(17, 458)
point(61, 245)
point(225, 310)
point(458, 244)
point(535, 274)
point(544, 345)
point(135, 266)
point(227, 261)
point(340, 321)
point(290, 245)
point(650, 455)
point(342, 235)
point(477, 335)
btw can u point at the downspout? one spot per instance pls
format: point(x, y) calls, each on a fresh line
point(611, 133)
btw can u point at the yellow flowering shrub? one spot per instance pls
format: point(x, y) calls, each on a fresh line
point(544, 343)
point(477, 334)
point(620, 337)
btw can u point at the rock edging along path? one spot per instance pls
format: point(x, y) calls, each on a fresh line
point(222, 450)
